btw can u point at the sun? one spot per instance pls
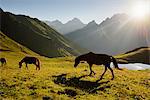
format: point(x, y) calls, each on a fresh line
point(140, 10)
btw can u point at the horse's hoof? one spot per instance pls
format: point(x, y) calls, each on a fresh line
point(112, 79)
point(90, 74)
point(97, 81)
point(101, 78)
point(85, 70)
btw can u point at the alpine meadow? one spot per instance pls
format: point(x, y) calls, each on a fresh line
point(75, 50)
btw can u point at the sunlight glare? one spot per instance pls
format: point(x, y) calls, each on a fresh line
point(140, 10)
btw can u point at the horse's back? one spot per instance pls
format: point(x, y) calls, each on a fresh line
point(30, 60)
point(98, 58)
point(103, 56)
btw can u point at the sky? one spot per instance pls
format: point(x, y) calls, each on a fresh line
point(64, 10)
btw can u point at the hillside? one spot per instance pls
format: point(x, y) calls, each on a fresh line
point(37, 36)
point(8, 45)
point(68, 27)
point(59, 80)
point(139, 55)
point(113, 36)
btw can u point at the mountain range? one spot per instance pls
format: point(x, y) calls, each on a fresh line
point(37, 36)
point(68, 27)
point(30, 36)
point(115, 35)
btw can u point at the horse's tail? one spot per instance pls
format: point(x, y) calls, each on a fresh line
point(115, 63)
point(38, 63)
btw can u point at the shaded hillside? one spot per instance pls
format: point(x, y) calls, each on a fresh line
point(68, 27)
point(37, 36)
point(114, 35)
point(9, 45)
point(139, 55)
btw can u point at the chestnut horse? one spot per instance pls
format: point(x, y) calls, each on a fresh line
point(98, 59)
point(30, 60)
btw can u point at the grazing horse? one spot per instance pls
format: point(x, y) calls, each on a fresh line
point(98, 59)
point(30, 60)
point(3, 61)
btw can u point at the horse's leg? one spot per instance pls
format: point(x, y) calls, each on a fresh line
point(2, 64)
point(90, 65)
point(111, 72)
point(103, 73)
point(91, 71)
point(37, 67)
point(5, 63)
point(26, 66)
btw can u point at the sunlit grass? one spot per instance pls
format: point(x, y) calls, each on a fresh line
point(32, 84)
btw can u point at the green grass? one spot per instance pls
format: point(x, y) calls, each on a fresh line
point(59, 80)
point(139, 55)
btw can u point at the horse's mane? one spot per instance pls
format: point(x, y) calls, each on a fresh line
point(22, 60)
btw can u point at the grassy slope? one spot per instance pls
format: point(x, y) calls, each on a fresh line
point(140, 55)
point(30, 84)
point(8, 45)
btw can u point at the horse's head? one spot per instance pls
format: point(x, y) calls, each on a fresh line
point(20, 64)
point(77, 61)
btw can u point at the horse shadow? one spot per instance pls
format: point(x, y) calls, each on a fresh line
point(84, 85)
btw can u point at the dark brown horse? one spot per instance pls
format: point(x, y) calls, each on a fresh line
point(98, 59)
point(3, 61)
point(30, 60)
